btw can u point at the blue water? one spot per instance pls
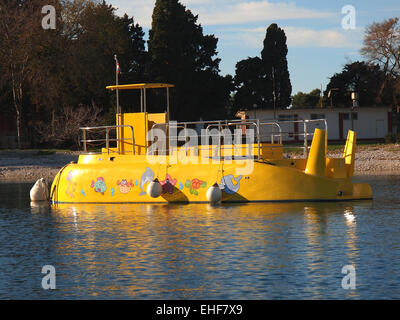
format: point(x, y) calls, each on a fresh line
point(196, 251)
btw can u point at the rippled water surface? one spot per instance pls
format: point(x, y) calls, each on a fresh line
point(196, 251)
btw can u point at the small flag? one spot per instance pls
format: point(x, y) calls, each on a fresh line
point(118, 68)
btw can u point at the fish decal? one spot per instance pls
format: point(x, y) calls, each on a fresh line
point(147, 177)
point(124, 186)
point(70, 185)
point(99, 185)
point(227, 185)
point(168, 184)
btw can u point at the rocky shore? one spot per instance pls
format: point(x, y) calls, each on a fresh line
point(28, 166)
point(375, 160)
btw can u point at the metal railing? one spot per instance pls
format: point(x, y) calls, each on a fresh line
point(305, 134)
point(216, 129)
point(277, 132)
point(107, 140)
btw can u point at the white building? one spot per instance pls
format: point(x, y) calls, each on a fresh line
point(370, 123)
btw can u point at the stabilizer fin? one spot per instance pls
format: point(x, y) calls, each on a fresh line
point(349, 152)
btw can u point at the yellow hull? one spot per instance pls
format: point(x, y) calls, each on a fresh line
point(216, 172)
point(124, 179)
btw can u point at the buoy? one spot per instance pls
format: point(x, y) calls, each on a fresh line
point(154, 189)
point(39, 207)
point(39, 191)
point(214, 193)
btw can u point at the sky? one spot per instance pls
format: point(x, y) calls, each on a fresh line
point(322, 36)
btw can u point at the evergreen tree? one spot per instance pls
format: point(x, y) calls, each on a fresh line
point(265, 83)
point(362, 78)
point(180, 54)
point(275, 65)
point(253, 89)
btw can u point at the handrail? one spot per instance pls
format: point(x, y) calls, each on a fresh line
point(272, 135)
point(227, 124)
point(220, 124)
point(107, 139)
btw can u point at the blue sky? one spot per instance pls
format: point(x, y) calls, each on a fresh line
point(318, 44)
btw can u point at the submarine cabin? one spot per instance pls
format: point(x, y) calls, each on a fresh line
point(132, 131)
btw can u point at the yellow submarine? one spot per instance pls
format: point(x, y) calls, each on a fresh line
point(133, 170)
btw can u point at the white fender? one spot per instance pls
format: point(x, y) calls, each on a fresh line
point(154, 189)
point(39, 191)
point(214, 193)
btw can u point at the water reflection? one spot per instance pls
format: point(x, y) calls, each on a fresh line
point(201, 251)
point(40, 207)
point(198, 251)
point(329, 227)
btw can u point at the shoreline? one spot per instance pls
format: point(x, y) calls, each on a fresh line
point(29, 166)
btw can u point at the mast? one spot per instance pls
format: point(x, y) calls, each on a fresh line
point(117, 70)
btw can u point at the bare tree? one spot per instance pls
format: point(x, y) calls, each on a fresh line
point(382, 46)
point(19, 20)
point(68, 123)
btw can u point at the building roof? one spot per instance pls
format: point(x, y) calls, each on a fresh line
point(137, 86)
point(240, 113)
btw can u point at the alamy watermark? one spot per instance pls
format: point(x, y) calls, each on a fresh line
point(349, 20)
point(49, 20)
point(349, 280)
point(49, 280)
point(236, 147)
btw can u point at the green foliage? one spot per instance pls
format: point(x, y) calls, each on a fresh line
point(253, 88)
point(392, 138)
point(44, 71)
point(362, 78)
point(307, 100)
point(180, 54)
point(275, 64)
point(258, 79)
point(99, 34)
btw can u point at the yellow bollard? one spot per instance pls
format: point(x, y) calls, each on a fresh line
point(316, 161)
point(349, 152)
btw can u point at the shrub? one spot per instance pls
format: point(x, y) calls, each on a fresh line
point(390, 138)
point(67, 124)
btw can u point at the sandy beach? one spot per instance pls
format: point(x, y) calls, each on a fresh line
point(28, 166)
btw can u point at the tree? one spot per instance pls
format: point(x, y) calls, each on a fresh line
point(45, 79)
point(253, 89)
point(275, 65)
point(382, 47)
point(264, 82)
point(307, 100)
point(68, 123)
point(19, 25)
point(180, 54)
point(45, 71)
point(97, 35)
point(359, 77)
